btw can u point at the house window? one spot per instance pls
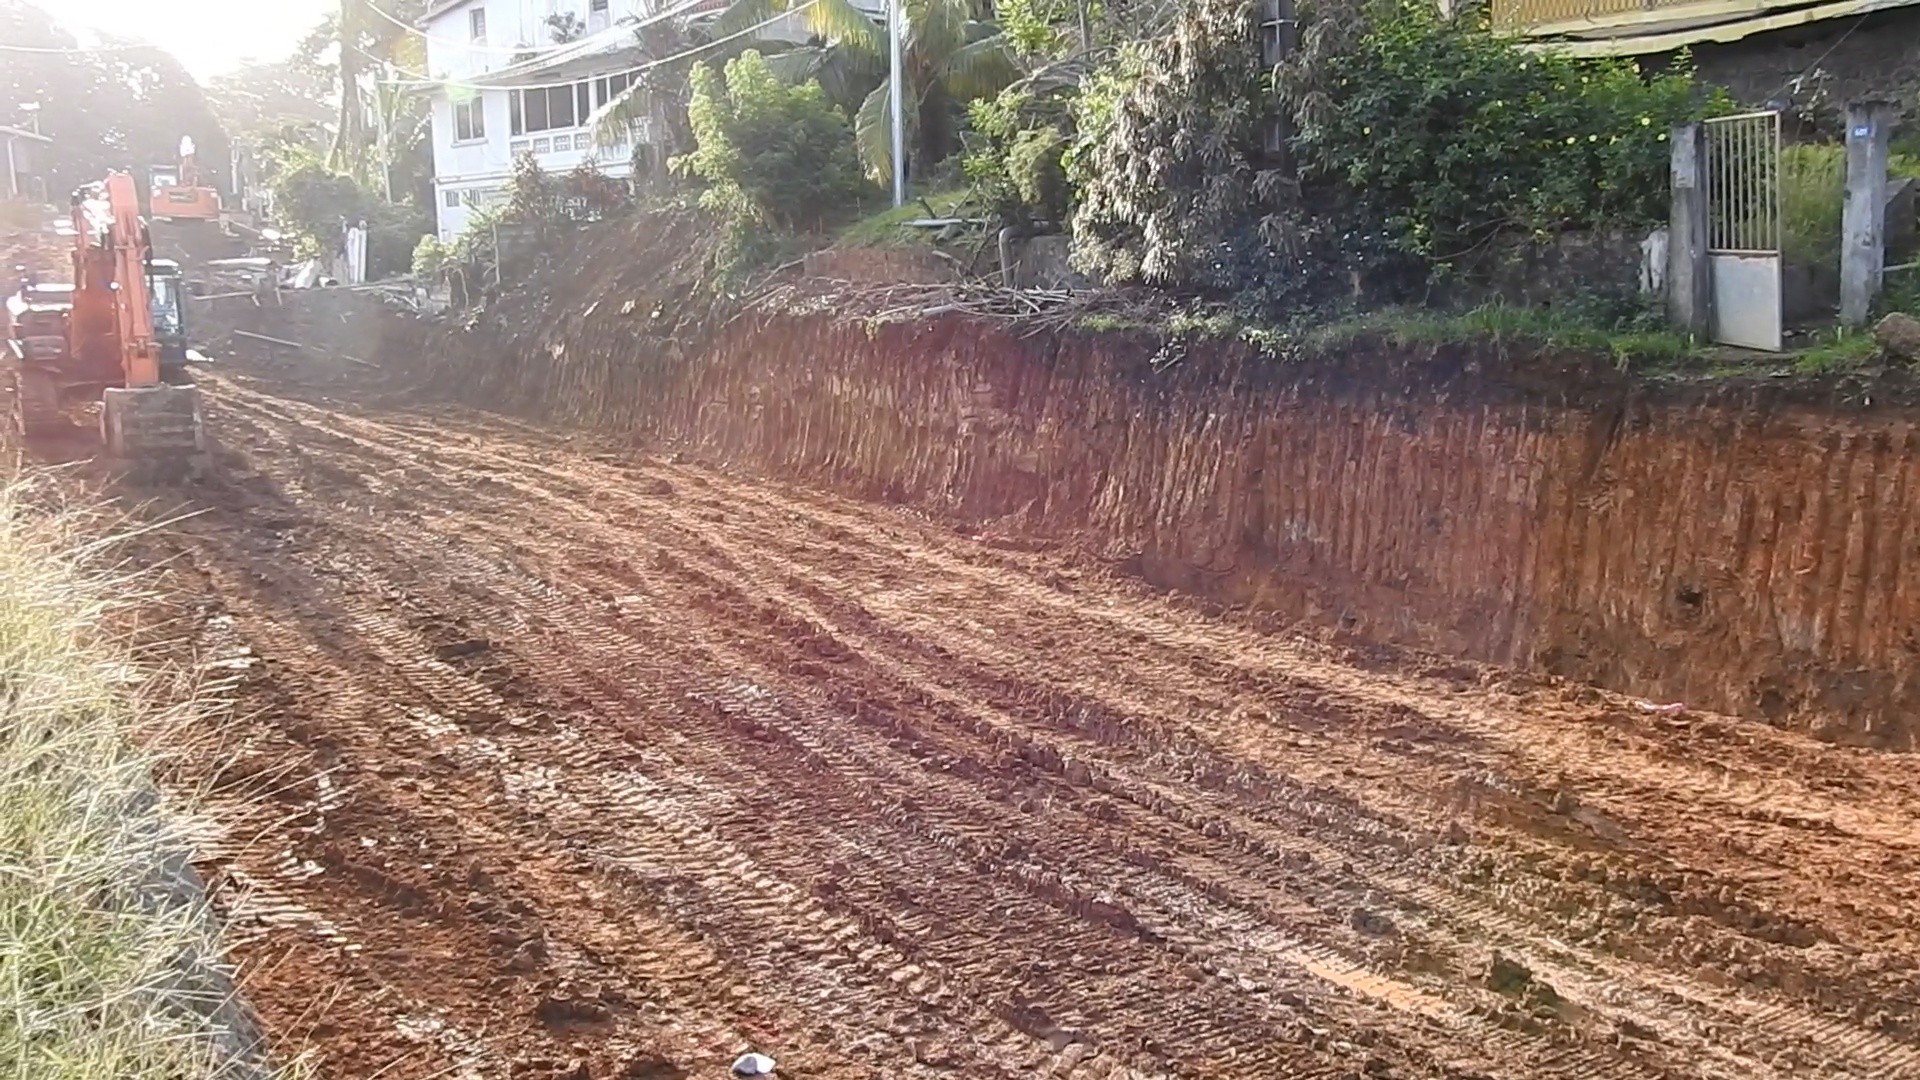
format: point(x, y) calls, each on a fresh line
point(605, 90)
point(552, 108)
point(469, 120)
point(598, 7)
point(450, 200)
point(477, 24)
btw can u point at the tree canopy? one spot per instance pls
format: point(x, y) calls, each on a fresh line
point(124, 106)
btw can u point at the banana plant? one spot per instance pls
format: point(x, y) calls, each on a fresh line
point(949, 58)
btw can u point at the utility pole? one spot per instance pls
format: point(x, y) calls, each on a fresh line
point(896, 92)
point(1863, 226)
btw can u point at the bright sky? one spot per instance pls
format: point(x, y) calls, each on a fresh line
point(209, 36)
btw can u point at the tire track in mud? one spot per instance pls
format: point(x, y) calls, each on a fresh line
point(1876, 1055)
point(923, 683)
point(413, 649)
point(454, 558)
point(501, 851)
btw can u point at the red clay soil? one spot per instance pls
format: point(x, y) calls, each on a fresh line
point(1747, 548)
point(558, 759)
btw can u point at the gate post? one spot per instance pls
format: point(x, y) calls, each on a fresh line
point(1863, 227)
point(1689, 271)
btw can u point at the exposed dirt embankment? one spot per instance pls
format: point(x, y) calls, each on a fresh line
point(1748, 550)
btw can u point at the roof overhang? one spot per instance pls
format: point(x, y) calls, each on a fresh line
point(1703, 24)
point(596, 54)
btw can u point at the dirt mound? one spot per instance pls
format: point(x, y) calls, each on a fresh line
point(589, 313)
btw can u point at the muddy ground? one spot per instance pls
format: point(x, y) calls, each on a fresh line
point(556, 757)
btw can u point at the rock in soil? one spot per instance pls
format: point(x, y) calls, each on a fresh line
point(1899, 335)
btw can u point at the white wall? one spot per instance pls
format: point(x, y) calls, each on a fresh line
point(480, 169)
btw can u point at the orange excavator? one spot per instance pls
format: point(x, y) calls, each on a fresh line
point(97, 338)
point(177, 195)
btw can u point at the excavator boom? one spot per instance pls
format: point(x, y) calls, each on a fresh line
point(133, 306)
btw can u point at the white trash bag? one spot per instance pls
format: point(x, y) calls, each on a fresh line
point(753, 1065)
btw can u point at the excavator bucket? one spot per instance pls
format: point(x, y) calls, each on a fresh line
point(157, 426)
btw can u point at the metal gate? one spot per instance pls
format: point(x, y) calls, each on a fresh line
point(1743, 229)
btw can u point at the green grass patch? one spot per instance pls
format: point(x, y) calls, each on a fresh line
point(1101, 322)
point(1835, 352)
point(888, 227)
point(94, 965)
point(1499, 323)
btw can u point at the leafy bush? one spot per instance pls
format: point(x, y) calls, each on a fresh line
point(1446, 136)
point(1412, 140)
point(584, 194)
point(429, 257)
point(770, 153)
point(1015, 154)
point(1167, 164)
point(317, 204)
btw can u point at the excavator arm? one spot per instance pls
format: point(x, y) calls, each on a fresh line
point(139, 352)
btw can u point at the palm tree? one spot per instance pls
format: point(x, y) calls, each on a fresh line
point(949, 58)
point(375, 124)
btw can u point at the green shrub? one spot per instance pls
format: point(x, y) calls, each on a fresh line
point(585, 194)
point(429, 257)
point(1165, 166)
point(1015, 156)
point(1445, 136)
point(770, 153)
point(317, 204)
point(1411, 140)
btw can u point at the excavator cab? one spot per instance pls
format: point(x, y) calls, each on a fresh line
point(166, 292)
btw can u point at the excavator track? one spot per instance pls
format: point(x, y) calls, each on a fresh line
point(33, 404)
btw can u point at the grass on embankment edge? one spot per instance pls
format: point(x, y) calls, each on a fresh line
point(109, 968)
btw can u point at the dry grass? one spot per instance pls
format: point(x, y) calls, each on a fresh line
point(105, 967)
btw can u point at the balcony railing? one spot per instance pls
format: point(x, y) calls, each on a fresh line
point(1572, 16)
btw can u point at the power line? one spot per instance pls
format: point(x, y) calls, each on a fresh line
point(78, 50)
point(415, 79)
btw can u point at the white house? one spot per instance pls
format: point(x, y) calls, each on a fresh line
point(488, 107)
